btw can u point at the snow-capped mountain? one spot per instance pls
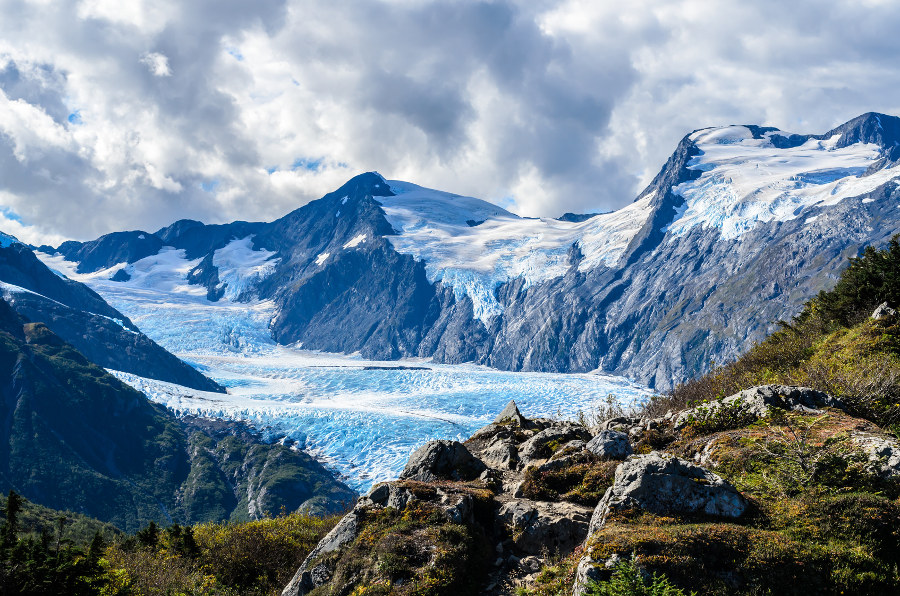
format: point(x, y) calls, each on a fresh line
point(741, 226)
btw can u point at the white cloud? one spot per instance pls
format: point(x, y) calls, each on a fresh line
point(157, 63)
point(556, 106)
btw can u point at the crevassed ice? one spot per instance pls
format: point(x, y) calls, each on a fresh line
point(366, 423)
point(474, 260)
point(362, 422)
point(746, 181)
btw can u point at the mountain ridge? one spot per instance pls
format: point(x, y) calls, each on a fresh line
point(407, 269)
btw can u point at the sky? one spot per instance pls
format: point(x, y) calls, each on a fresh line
point(119, 115)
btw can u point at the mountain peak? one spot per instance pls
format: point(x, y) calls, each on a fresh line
point(871, 127)
point(368, 183)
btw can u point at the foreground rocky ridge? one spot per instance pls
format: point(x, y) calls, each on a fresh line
point(544, 507)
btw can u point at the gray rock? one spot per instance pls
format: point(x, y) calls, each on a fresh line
point(535, 447)
point(535, 526)
point(610, 444)
point(663, 483)
point(442, 460)
point(501, 455)
point(622, 423)
point(587, 571)
point(883, 453)
point(388, 494)
point(343, 533)
point(884, 312)
point(758, 401)
point(458, 508)
point(511, 415)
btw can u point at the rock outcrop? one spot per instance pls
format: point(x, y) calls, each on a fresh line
point(663, 483)
point(478, 485)
point(758, 401)
point(442, 460)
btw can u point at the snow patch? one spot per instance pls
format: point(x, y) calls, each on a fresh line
point(322, 258)
point(355, 241)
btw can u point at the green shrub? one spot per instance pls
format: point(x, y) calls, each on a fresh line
point(628, 580)
point(719, 416)
point(583, 483)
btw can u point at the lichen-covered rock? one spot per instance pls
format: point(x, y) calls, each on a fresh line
point(663, 483)
point(883, 453)
point(540, 445)
point(536, 526)
point(442, 460)
point(304, 581)
point(758, 401)
point(884, 312)
point(610, 444)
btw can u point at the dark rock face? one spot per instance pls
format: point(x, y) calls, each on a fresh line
point(81, 317)
point(442, 460)
point(111, 249)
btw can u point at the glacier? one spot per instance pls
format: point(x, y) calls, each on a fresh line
point(362, 418)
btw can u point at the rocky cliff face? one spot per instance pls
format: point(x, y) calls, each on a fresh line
point(741, 226)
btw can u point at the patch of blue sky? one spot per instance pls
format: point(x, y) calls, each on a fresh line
point(307, 163)
point(209, 186)
point(75, 118)
point(8, 213)
point(236, 53)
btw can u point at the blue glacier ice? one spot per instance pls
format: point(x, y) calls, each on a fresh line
point(362, 418)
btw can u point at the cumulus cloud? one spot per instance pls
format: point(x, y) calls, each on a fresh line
point(129, 116)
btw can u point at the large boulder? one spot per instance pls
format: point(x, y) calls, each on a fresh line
point(610, 444)
point(758, 401)
point(539, 526)
point(442, 460)
point(662, 483)
point(501, 455)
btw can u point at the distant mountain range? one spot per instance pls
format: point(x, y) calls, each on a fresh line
point(742, 225)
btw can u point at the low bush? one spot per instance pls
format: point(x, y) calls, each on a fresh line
point(582, 483)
